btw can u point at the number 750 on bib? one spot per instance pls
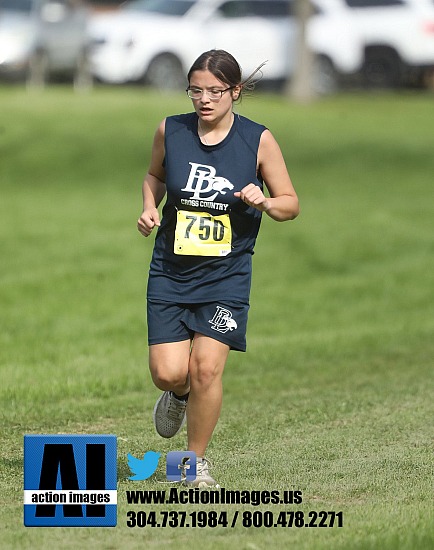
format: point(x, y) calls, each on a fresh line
point(201, 234)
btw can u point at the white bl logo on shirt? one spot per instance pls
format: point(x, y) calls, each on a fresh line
point(203, 180)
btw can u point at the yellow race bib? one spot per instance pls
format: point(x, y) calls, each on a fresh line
point(201, 234)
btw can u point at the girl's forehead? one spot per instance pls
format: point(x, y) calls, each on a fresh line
point(205, 79)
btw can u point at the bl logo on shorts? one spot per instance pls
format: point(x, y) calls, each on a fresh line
point(181, 465)
point(70, 481)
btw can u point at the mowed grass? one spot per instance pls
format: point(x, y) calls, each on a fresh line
point(335, 394)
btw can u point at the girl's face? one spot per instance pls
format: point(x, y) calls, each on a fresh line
point(212, 110)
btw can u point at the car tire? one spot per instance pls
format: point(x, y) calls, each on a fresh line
point(382, 68)
point(37, 72)
point(165, 72)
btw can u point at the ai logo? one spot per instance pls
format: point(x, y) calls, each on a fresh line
point(70, 481)
point(222, 320)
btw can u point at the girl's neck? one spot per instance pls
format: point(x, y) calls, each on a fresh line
point(214, 133)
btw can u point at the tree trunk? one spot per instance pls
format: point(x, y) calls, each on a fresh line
point(300, 87)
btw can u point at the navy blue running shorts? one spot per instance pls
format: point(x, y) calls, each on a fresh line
point(223, 321)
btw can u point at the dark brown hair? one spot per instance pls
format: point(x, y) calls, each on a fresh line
point(226, 68)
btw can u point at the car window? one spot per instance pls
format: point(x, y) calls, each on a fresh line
point(163, 7)
point(16, 5)
point(373, 3)
point(251, 8)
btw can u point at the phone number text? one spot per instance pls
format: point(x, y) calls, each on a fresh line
point(212, 518)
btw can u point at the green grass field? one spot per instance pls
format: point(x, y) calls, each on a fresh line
point(335, 394)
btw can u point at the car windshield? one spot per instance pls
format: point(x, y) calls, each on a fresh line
point(164, 7)
point(24, 6)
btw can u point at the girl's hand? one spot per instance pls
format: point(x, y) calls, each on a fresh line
point(147, 221)
point(252, 195)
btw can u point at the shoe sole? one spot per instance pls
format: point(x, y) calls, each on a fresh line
point(202, 485)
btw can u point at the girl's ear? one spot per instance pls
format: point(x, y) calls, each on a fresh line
point(236, 92)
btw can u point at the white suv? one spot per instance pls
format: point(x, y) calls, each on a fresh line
point(386, 42)
point(157, 40)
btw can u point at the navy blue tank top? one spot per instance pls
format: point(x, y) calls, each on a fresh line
point(200, 182)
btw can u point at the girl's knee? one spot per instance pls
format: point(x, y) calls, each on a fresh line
point(167, 379)
point(168, 364)
point(205, 373)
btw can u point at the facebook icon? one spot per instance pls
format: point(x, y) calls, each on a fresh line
point(181, 466)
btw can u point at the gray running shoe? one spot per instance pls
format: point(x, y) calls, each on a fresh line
point(169, 414)
point(203, 479)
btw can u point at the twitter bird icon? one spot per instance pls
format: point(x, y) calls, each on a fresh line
point(142, 469)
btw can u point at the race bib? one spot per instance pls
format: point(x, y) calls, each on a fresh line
point(201, 234)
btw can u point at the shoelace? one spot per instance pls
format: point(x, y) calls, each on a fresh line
point(175, 411)
point(201, 466)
